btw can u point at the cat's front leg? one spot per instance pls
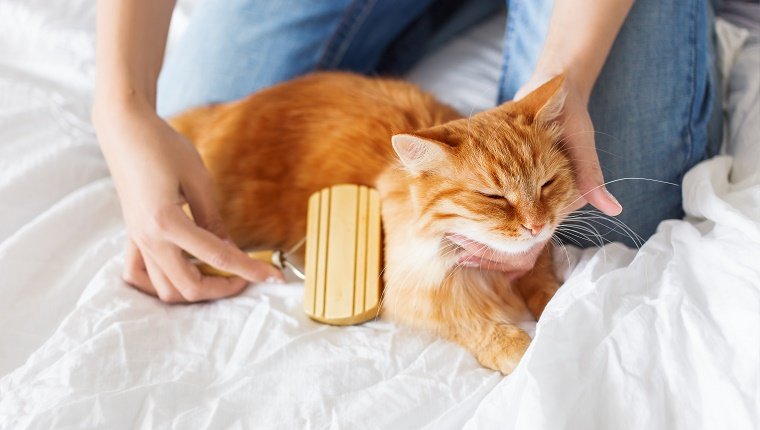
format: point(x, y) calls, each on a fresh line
point(540, 284)
point(469, 308)
point(497, 345)
point(480, 312)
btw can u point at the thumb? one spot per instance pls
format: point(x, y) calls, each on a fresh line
point(591, 185)
point(589, 178)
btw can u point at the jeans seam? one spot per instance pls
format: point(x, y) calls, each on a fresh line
point(338, 44)
point(508, 32)
point(692, 86)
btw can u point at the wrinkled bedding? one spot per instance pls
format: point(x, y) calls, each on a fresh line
point(665, 337)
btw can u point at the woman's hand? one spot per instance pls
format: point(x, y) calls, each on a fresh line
point(580, 55)
point(156, 171)
point(578, 142)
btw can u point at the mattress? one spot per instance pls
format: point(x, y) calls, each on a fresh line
point(663, 337)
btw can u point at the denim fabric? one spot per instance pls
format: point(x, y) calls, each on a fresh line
point(655, 105)
point(652, 105)
point(232, 48)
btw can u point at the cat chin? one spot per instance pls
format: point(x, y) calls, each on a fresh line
point(517, 247)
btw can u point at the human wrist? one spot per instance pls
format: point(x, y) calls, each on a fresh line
point(115, 103)
point(580, 76)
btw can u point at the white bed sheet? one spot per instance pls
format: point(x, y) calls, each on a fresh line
point(668, 337)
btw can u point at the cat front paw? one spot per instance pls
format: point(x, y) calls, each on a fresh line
point(507, 348)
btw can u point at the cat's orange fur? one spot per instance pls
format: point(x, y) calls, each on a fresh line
point(267, 153)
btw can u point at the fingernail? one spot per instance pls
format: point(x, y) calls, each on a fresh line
point(614, 200)
point(469, 263)
point(274, 280)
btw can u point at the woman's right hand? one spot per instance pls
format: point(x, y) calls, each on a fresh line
point(156, 171)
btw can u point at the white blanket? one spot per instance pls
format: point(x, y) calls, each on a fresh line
point(664, 338)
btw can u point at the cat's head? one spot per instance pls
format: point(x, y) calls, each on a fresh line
point(499, 178)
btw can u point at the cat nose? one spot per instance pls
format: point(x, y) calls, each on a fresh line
point(534, 229)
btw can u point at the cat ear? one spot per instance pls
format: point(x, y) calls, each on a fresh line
point(416, 153)
point(545, 103)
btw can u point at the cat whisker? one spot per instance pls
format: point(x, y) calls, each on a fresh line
point(584, 227)
point(580, 229)
point(559, 244)
point(569, 238)
point(564, 138)
point(617, 225)
point(453, 249)
point(380, 305)
point(592, 230)
point(459, 266)
point(573, 234)
point(618, 180)
point(597, 217)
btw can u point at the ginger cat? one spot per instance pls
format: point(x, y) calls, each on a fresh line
point(498, 178)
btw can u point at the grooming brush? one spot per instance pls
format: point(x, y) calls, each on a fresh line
point(343, 252)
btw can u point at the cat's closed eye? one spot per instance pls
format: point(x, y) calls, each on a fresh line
point(547, 184)
point(491, 196)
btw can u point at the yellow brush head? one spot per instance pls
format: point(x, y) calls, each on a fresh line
point(343, 253)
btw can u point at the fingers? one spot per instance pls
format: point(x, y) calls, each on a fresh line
point(179, 281)
point(135, 273)
point(471, 247)
point(157, 265)
point(145, 276)
point(191, 285)
point(589, 178)
point(515, 267)
point(213, 250)
point(164, 289)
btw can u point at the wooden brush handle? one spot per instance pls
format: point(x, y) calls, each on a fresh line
point(267, 256)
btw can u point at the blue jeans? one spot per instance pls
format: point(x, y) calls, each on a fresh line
point(654, 105)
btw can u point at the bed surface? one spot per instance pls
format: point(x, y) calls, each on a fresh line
point(666, 337)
